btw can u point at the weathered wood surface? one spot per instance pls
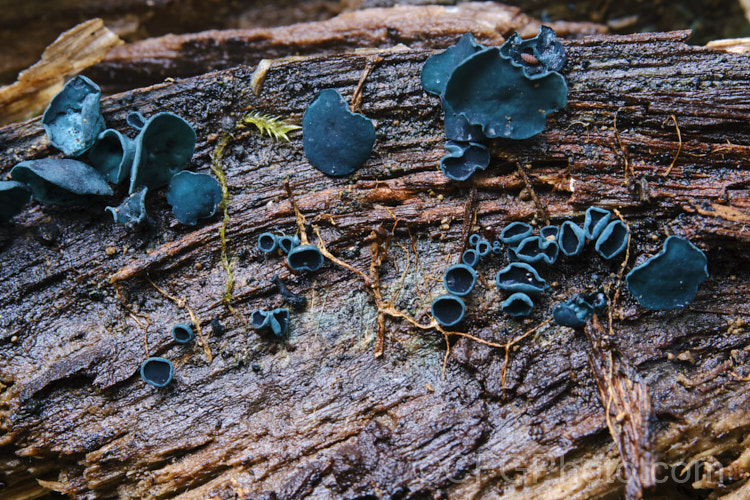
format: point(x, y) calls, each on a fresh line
point(177, 56)
point(321, 417)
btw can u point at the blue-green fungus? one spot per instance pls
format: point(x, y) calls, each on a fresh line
point(483, 248)
point(459, 279)
point(182, 333)
point(260, 320)
point(163, 147)
point(268, 242)
point(157, 371)
point(474, 238)
point(669, 279)
point(193, 196)
point(279, 321)
point(497, 247)
point(613, 240)
point(463, 159)
point(73, 121)
point(492, 91)
point(437, 68)
point(448, 310)
point(470, 257)
point(112, 155)
point(535, 250)
point(276, 321)
point(305, 258)
point(13, 196)
point(457, 127)
point(132, 211)
point(595, 221)
point(549, 233)
point(520, 277)
point(575, 312)
point(60, 181)
point(336, 140)
point(515, 232)
point(570, 238)
point(518, 304)
point(288, 243)
point(537, 56)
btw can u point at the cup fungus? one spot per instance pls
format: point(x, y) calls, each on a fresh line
point(536, 56)
point(112, 155)
point(534, 250)
point(132, 211)
point(483, 248)
point(470, 257)
point(474, 239)
point(520, 277)
point(669, 279)
point(268, 242)
point(157, 371)
point(613, 240)
point(276, 320)
point(336, 141)
point(595, 221)
point(60, 181)
point(490, 90)
point(163, 147)
point(182, 333)
point(459, 279)
point(448, 310)
point(259, 320)
point(497, 248)
point(193, 196)
point(575, 312)
point(288, 243)
point(518, 304)
point(438, 67)
point(13, 196)
point(72, 121)
point(570, 238)
point(305, 258)
point(549, 233)
point(515, 232)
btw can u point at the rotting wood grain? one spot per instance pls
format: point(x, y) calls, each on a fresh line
point(418, 27)
point(320, 415)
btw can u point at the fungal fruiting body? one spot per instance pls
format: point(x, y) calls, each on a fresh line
point(182, 333)
point(60, 181)
point(132, 211)
point(157, 371)
point(336, 140)
point(520, 277)
point(112, 155)
point(305, 258)
point(463, 159)
point(459, 279)
point(288, 243)
point(671, 278)
point(193, 196)
point(275, 321)
point(268, 242)
point(613, 240)
point(13, 196)
point(535, 250)
point(575, 312)
point(72, 120)
point(595, 221)
point(163, 147)
point(570, 238)
point(518, 304)
point(448, 310)
point(515, 232)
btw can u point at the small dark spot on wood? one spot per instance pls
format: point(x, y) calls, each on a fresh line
point(47, 233)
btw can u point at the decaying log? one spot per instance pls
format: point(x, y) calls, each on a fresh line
point(73, 51)
point(434, 27)
point(319, 415)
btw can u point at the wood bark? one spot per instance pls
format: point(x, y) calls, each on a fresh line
point(318, 415)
